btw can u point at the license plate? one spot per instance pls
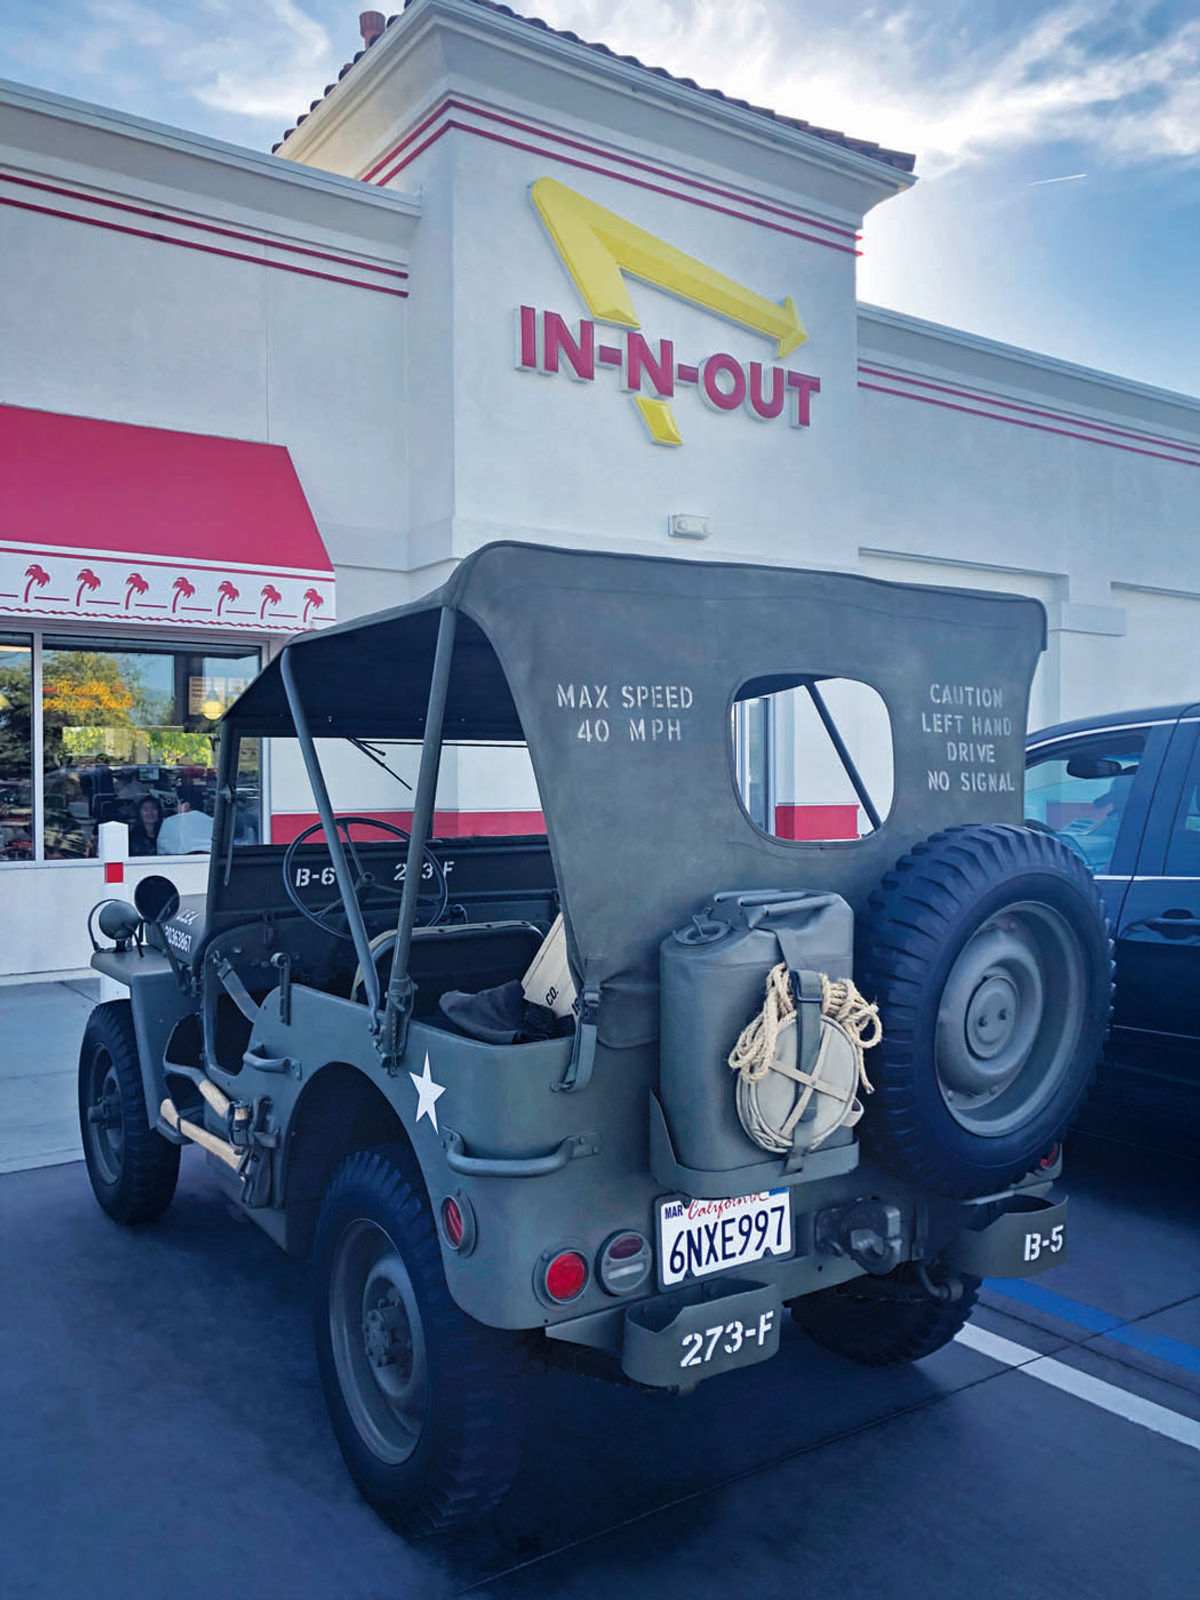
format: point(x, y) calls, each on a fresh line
point(699, 1237)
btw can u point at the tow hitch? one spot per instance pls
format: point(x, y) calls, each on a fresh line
point(868, 1231)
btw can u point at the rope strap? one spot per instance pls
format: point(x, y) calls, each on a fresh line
point(844, 1011)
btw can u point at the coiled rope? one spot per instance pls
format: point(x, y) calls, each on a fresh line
point(844, 1012)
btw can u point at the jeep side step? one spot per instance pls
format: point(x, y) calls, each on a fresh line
point(221, 1148)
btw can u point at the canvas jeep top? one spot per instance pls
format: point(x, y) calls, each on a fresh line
point(602, 1186)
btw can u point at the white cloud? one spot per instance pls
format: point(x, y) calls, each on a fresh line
point(916, 82)
point(943, 78)
point(301, 58)
point(266, 60)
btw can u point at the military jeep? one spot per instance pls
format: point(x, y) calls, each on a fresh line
point(599, 1189)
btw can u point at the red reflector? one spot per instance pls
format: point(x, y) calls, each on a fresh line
point(628, 1244)
point(1050, 1157)
point(452, 1223)
point(566, 1276)
point(114, 872)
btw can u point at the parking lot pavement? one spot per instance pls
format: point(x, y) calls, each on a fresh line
point(40, 1028)
point(163, 1433)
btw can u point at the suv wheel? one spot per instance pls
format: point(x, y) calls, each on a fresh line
point(423, 1399)
point(132, 1167)
point(879, 1332)
point(988, 952)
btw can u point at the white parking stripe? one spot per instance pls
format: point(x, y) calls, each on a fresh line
point(1083, 1386)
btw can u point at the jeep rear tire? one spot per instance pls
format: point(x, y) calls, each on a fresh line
point(132, 1167)
point(988, 952)
point(424, 1400)
point(878, 1332)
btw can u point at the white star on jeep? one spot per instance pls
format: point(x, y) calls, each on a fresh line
point(428, 1094)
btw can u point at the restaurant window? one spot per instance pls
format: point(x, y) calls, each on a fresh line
point(129, 735)
point(16, 749)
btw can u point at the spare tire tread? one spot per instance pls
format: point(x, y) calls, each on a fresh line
point(917, 920)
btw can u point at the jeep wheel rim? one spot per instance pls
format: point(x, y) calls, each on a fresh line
point(1010, 1019)
point(105, 1125)
point(378, 1342)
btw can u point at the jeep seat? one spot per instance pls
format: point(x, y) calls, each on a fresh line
point(471, 956)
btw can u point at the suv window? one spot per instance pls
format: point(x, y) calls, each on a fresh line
point(1183, 852)
point(1080, 791)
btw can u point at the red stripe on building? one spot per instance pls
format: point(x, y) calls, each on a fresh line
point(791, 822)
point(1037, 427)
point(816, 822)
point(285, 825)
point(450, 103)
point(984, 398)
point(603, 172)
point(207, 249)
point(266, 242)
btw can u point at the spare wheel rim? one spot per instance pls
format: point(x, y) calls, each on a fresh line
point(1010, 1019)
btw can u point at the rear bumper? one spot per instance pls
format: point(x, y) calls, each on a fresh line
point(1029, 1236)
point(676, 1339)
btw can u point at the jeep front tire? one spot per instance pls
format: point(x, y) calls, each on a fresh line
point(133, 1169)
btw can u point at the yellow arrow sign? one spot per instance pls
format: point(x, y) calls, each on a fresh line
point(598, 248)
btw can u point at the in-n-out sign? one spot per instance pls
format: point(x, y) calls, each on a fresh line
point(599, 248)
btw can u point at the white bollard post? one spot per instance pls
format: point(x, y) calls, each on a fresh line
point(112, 847)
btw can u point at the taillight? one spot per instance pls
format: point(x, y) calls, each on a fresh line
point(458, 1223)
point(1050, 1157)
point(452, 1223)
point(565, 1276)
point(624, 1262)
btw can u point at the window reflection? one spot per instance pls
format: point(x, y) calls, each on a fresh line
point(16, 750)
point(1080, 793)
point(129, 736)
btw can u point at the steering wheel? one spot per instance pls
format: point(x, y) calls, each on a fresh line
point(363, 882)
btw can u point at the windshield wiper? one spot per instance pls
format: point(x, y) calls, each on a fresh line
point(372, 754)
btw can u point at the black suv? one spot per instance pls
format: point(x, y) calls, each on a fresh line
point(1124, 792)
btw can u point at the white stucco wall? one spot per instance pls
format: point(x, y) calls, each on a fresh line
point(990, 467)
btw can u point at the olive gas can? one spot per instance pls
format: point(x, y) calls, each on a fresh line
point(713, 980)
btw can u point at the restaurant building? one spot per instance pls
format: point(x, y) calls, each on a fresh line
point(497, 283)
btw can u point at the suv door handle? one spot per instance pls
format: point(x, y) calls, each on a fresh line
point(1175, 922)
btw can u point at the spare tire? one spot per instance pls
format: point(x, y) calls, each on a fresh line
point(988, 952)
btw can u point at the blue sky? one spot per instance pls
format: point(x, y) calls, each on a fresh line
point(1058, 141)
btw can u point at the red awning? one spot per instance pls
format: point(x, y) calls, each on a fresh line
point(110, 522)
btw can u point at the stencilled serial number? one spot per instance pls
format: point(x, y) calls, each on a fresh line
point(326, 877)
point(727, 1339)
